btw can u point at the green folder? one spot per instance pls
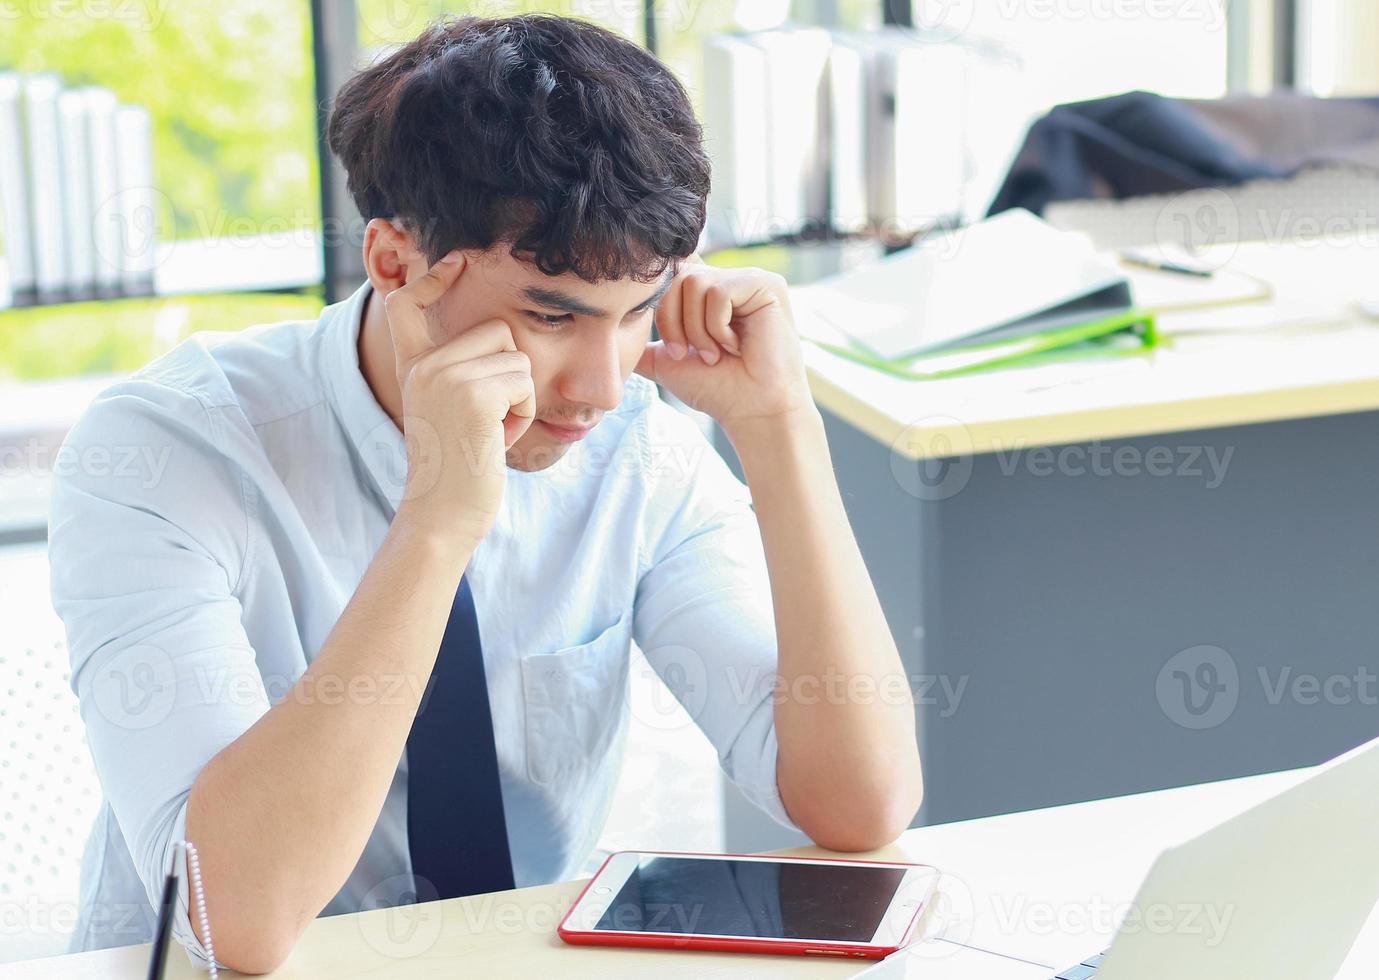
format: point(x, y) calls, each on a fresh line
point(1128, 331)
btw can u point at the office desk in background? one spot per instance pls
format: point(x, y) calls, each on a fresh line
point(1307, 352)
point(1045, 539)
point(1040, 886)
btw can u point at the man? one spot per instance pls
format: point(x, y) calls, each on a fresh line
point(365, 638)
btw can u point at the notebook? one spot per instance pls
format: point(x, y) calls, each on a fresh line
point(1003, 279)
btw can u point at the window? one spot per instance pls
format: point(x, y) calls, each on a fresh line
point(1073, 50)
point(229, 91)
point(1335, 47)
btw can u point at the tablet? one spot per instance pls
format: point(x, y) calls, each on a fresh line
point(810, 906)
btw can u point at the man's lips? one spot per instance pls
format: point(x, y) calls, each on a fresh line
point(566, 433)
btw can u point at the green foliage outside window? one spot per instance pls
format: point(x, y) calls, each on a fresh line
point(229, 87)
point(122, 336)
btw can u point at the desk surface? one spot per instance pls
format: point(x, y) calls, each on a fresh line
point(1307, 352)
point(1036, 886)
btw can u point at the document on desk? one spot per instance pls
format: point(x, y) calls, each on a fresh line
point(1169, 292)
point(994, 280)
point(1305, 285)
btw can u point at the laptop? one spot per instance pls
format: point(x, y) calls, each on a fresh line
point(1291, 883)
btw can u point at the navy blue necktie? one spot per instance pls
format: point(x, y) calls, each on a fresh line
point(455, 828)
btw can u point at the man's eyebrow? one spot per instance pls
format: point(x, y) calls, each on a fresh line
point(554, 299)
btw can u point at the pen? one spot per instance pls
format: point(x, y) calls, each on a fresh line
point(1164, 265)
point(162, 932)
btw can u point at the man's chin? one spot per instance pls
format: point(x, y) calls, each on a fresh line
point(535, 451)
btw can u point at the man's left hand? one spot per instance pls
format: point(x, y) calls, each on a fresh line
point(728, 345)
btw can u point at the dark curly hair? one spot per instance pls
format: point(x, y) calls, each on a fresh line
point(569, 144)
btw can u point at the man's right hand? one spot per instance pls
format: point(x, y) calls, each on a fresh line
point(318, 770)
point(464, 403)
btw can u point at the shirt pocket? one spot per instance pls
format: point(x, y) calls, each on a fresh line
point(574, 702)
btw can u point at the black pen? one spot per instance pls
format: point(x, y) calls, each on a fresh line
point(1133, 257)
point(162, 933)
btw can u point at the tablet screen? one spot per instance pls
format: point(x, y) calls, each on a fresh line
point(764, 899)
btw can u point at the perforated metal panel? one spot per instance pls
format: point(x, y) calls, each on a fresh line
point(49, 794)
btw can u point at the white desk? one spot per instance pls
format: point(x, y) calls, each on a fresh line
point(1041, 883)
point(1011, 878)
point(1313, 354)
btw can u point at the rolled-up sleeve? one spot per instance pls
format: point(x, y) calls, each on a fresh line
point(147, 540)
point(703, 615)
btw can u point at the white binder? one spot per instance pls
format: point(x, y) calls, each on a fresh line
point(108, 220)
point(735, 139)
point(1007, 277)
point(915, 134)
point(137, 202)
point(847, 139)
point(797, 154)
point(76, 194)
point(44, 163)
point(16, 245)
point(929, 88)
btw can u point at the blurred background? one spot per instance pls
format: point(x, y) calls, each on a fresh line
point(177, 166)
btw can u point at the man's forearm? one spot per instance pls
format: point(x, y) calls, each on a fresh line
point(848, 768)
point(281, 815)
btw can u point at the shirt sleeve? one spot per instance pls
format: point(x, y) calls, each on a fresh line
point(703, 614)
point(147, 540)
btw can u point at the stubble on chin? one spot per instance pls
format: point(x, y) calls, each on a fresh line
point(532, 459)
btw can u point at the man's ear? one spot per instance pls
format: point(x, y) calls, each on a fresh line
point(390, 253)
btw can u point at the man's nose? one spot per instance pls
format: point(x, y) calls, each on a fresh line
point(594, 378)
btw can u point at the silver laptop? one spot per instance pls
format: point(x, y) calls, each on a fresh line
point(1290, 883)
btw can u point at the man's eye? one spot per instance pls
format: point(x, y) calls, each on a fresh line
point(550, 319)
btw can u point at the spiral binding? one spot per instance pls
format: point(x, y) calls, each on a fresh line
point(199, 894)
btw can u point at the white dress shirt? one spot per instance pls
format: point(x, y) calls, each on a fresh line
point(219, 508)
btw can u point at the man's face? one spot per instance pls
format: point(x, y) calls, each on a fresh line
point(583, 340)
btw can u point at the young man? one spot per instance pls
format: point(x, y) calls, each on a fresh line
point(364, 638)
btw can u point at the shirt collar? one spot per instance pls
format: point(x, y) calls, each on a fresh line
point(375, 436)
